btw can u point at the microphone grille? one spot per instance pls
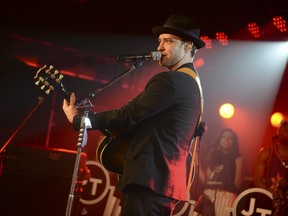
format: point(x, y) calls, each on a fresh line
point(156, 55)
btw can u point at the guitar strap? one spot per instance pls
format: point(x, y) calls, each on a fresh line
point(195, 139)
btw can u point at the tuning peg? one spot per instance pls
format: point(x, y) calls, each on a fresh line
point(47, 91)
point(56, 72)
point(40, 79)
point(48, 71)
point(61, 76)
point(42, 87)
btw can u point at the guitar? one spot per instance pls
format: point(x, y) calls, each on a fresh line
point(111, 149)
point(110, 152)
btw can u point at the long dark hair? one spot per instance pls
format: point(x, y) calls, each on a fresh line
point(214, 150)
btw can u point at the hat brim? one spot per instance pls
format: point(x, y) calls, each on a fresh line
point(161, 30)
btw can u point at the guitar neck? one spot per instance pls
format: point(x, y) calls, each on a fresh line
point(64, 92)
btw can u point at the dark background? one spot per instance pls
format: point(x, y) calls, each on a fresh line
point(135, 17)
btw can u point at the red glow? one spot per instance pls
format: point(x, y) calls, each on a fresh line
point(199, 63)
point(31, 64)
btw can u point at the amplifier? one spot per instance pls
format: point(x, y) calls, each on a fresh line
point(36, 181)
point(45, 162)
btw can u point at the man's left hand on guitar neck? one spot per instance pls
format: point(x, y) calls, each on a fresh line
point(69, 107)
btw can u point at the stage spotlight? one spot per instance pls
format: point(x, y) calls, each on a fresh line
point(226, 110)
point(276, 119)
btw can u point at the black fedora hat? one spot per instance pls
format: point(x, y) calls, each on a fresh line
point(181, 26)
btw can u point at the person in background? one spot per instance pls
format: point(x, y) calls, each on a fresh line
point(272, 166)
point(159, 124)
point(221, 174)
point(280, 197)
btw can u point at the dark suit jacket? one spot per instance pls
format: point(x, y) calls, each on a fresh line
point(160, 123)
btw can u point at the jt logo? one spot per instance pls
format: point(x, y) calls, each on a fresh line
point(253, 202)
point(263, 212)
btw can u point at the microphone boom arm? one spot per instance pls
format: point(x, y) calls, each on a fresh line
point(82, 102)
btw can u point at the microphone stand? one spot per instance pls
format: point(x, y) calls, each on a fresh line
point(83, 136)
point(2, 150)
point(82, 140)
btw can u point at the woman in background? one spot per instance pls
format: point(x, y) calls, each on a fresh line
point(221, 174)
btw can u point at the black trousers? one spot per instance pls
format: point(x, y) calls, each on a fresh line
point(142, 201)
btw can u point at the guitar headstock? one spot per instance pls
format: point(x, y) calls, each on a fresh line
point(50, 79)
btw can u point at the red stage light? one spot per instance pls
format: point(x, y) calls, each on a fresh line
point(280, 23)
point(254, 29)
point(207, 41)
point(222, 38)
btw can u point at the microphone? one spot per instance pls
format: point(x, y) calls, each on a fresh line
point(154, 55)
